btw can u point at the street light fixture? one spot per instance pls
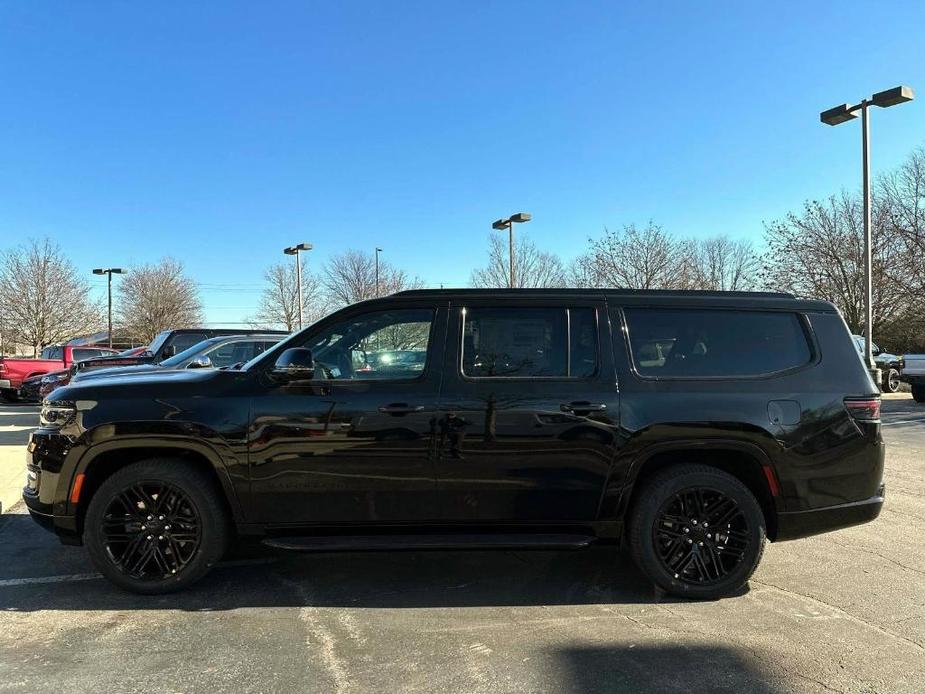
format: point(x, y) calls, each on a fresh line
point(295, 250)
point(508, 224)
point(378, 251)
point(836, 116)
point(109, 272)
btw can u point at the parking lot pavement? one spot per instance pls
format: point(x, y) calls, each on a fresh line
point(843, 612)
point(16, 421)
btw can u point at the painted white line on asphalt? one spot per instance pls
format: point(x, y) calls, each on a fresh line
point(67, 578)
point(904, 421)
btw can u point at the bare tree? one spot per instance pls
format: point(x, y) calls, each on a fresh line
point(532, 268)
point(157, 297)
point(902, 194)
point(351, 277)
point(279, 301)
point(719, 263)
point(633, 258)
point(42, 297)
point(819, 253)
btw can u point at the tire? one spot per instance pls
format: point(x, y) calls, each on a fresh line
point(190, 532)
point(891, 381)
point(680, 542)
point(918, 393)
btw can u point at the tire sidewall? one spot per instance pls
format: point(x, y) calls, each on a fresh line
point(644, 518)
point(196, 487)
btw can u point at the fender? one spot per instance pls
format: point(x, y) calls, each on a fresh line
point(621, 492)
point(177, 442)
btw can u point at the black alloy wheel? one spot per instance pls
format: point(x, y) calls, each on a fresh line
point(151, 530)
point(696, 531)
point(156, 526)
point(701, 535)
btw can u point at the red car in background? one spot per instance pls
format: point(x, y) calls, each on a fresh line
point(14, 371)
point(37, 387)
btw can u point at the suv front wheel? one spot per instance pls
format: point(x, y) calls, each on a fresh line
point(697, 531)
point(155, 526)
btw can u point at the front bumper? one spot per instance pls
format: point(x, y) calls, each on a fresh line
point(796, 524)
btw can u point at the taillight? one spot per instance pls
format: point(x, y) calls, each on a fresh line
point(864, 409)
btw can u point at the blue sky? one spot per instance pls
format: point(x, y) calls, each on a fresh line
point(221, 132)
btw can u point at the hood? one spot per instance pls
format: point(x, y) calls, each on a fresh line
point(159, 383)
point(118, 371)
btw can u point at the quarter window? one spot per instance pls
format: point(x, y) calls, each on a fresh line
point(715, 343)
point(529, 342)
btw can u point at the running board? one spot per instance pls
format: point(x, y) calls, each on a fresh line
point(351, 543)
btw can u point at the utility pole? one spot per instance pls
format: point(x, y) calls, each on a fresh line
point(295, 250)
point(508, 224)
point(841, 114)
point(109, 272)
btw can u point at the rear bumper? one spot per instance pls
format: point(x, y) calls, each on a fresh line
point(796, 524)
point(5, 384)
point(913, 379)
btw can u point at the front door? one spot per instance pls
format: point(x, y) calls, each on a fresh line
point(355, 443)
point(528, 414)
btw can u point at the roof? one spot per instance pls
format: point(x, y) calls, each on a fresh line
point(632, 296)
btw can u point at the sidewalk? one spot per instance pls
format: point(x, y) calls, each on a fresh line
point(16, 421)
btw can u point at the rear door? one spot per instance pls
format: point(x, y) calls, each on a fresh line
point(528, 417)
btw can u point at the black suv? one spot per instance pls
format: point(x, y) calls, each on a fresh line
point(689, 425)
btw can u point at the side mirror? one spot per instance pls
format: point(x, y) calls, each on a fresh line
point(200, 362)
point(169, 351)
point(294, 364)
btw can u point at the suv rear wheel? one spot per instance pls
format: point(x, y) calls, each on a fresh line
point(697, 532)
point(155, 526)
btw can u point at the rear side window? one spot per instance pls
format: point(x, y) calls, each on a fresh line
point(529, 343)
point(678, 343)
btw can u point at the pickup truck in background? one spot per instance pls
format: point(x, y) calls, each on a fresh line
point(13, 370)
point(914, 374)
point(890, 365)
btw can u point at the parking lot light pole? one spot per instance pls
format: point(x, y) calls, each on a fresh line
point(295, 250)
point(378, 251)
point(109, 271)
point(508, 224)
point(836, 116)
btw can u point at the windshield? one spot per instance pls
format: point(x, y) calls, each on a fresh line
point(187, 354)
point(158, 340)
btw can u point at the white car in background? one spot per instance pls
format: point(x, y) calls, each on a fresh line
point(913, 373)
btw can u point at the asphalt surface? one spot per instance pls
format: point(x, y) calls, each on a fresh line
point(843, 612)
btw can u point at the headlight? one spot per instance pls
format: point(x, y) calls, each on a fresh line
point(57, 414)
point(54, 378)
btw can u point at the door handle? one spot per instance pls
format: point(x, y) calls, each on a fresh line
point(582, 406)
point(400, 408)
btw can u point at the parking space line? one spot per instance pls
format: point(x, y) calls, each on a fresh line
point(904, 421)
point(66, 578)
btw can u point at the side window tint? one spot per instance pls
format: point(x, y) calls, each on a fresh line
point(385, 345)
point(529, 342)
point(715, 343)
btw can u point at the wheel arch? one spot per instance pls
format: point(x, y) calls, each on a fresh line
point(103, 460)
point(746, 462)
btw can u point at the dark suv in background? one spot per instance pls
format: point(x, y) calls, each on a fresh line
point(691, 426)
